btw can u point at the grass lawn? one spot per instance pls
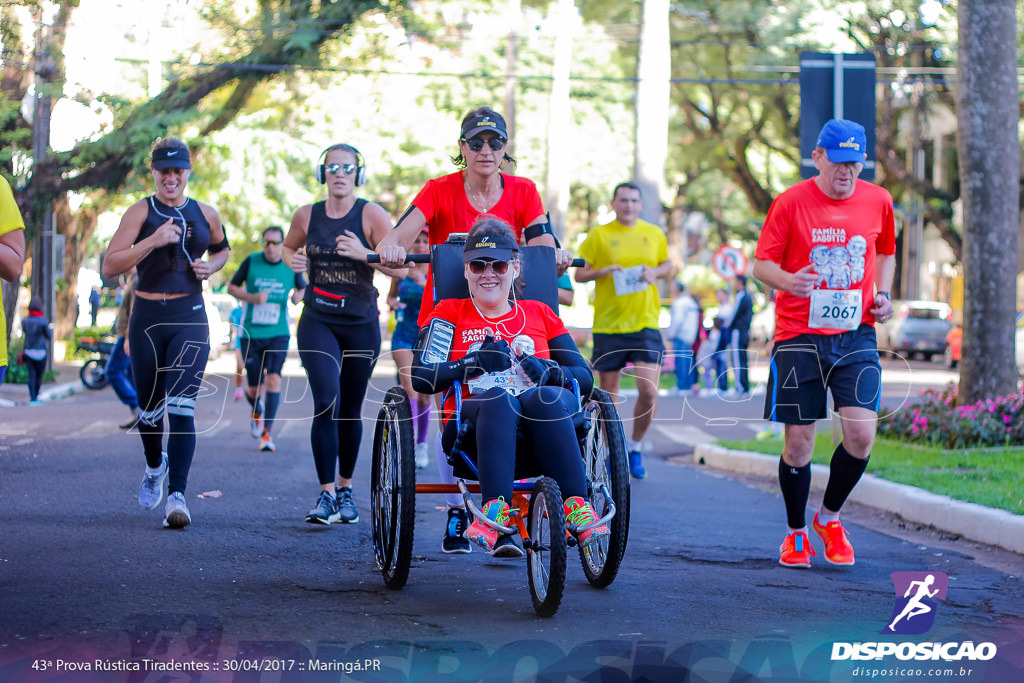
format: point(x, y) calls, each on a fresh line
point(991, 477)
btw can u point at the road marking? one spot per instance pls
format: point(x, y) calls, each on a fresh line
point(686, 435)
point(215, 428)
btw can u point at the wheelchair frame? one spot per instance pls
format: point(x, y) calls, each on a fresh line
point(543, 529)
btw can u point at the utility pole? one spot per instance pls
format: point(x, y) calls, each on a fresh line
point(511, 55)
point(913, 235)
point(42, 251)
point(653, 76)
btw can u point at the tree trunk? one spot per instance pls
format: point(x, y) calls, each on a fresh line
point(77, 228)
point(653, 74)
point(988, 112)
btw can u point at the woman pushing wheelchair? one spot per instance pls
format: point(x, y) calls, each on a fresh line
point(515, 362)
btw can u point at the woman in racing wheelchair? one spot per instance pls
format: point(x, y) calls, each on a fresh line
point(515, 360)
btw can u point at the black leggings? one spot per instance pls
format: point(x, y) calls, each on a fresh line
point(36, 370)
point(545, 417)
point(336, 357)
point(169, 343)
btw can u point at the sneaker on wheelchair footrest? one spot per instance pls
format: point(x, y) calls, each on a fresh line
point(579, 512)
point(453, 542)
point(508, 547)
point(483, 535)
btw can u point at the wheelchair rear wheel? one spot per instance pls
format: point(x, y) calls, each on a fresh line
point(605, 462)
point(393, 489)
point(545, 559)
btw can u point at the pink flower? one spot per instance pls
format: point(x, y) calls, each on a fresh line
point(1006, 419)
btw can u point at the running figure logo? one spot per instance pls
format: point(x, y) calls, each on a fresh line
point(917, 595)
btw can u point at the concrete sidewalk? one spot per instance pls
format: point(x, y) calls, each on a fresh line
point(66, 383)
point(974, 522)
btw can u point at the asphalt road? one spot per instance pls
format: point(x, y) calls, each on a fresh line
point(251, 593)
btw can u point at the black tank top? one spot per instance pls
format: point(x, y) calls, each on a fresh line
point(166, 268)
point(340, 288)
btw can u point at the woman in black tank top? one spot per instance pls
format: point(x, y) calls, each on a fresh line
point(166, 236)
point(338, 334)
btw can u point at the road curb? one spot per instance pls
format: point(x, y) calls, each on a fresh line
point(972, 521)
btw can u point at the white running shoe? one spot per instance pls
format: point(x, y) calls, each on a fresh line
point(176, 514)
point(151, 490)
point(422, 455)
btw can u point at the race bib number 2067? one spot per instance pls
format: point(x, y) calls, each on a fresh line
point(837, 309)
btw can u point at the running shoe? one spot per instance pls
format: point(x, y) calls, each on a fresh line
point(346, 506)
point(507, 546)
point(132, 423)
point(422, 455)
point(579, 512)
point(256, 421)
point(796, 550)
point(266, 443)
point(239, 393)
point(151, 491)
point(176, 514)
point(326, 510)
point(483, 535)
point(837, 548)
point(636, 466)
point(453, 541)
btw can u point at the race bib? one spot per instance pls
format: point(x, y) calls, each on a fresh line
point(266, 314)
point(629, 280)
point(838, 309)
point(513, 381)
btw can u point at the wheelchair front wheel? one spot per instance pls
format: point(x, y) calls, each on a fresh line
point(393, 488)
point(605, 462)
point(546, 557)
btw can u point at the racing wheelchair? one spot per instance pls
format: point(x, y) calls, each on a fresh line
point(542, 528)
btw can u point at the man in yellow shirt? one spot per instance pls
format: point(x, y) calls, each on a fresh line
point(12, 254)
point(626, 257)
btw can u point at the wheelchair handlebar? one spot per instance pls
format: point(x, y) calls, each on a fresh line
point(425, 258)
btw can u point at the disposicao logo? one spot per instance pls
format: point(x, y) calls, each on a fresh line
point(917, 596)
point(913, 613)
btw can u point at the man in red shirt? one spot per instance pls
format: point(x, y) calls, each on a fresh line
point(828, 247)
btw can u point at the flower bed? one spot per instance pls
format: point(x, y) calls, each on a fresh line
point(939, 419)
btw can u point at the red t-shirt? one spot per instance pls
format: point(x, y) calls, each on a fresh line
point(447, 209)
point(529, 324)
point(840, 237)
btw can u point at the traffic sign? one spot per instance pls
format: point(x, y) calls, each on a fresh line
point(729, 262)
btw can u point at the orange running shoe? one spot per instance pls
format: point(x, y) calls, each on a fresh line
point(579, 512)
point(837, 548)
point(483, 535)
point(796, 550)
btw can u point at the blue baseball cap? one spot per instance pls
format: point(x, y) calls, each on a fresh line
point(843, 141)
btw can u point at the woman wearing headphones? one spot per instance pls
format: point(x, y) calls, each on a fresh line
point(166, 235)
point(338, 334)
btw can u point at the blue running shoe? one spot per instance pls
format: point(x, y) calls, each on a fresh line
point(636, 467)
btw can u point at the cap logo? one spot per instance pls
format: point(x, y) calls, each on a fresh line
point(486, 244)
point(851, 143)
point(171, 154)
point(486, 122)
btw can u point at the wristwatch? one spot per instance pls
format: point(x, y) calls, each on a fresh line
point(886, 295)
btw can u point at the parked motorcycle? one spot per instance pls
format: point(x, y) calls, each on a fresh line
point(94, 370)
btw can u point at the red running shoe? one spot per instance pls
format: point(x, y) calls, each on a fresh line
point(837, 548)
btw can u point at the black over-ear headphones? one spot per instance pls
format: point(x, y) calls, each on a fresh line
point(321, 171)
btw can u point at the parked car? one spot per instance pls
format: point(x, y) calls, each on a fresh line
point(918, 328)
point(220, 329)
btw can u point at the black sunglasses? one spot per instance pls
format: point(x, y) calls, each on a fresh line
point(477, 144)
point(334, 168)
point(478, 266)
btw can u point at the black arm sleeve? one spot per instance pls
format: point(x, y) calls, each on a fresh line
point(238, 279)
point(564, 352)
point(300, 281)
point(433, 378)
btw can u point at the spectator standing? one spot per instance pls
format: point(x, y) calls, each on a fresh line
point(119, 367)
point(683, 331)
point(263, 282)
point(723, 318)
point(824, 328)
point(94, 304)
point(739, 333)
point(626, 257)
point(12, 255)
point(37, 347)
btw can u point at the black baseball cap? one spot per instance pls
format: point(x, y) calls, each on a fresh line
point(174, 155)
point(481, 123)
point(487, 246)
